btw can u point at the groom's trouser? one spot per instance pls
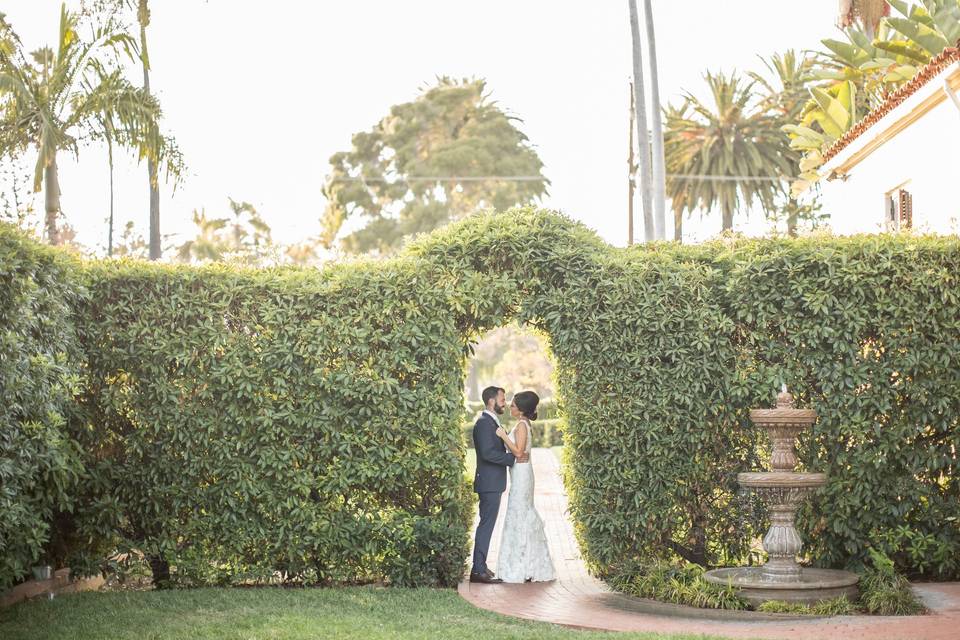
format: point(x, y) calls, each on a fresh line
point(489, 507)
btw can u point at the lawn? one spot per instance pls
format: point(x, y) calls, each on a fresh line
point(204, 614)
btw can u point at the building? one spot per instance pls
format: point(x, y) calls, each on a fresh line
point(899, 166)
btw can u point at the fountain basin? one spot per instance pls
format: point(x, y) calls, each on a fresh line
point(812, 586)
point(780, 480)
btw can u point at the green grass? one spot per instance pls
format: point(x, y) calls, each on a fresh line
point(205, 614)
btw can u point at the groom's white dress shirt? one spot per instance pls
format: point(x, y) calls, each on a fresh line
point(494, 416)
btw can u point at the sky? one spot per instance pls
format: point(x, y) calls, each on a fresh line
point(259, 95)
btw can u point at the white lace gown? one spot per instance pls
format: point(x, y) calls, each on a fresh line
point(524, 554)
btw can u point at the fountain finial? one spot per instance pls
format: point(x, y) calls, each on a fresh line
point(784, 399)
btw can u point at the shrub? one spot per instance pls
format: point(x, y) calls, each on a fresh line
point(277, 425)
point(662, 350)
point(295, 424)
point(676, 583)
point(884, 591)
point(836, 607)
point(39, 464)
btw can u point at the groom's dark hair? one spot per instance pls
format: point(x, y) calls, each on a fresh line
point(490, 393)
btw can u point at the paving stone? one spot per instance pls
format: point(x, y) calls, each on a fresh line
point(577, 599)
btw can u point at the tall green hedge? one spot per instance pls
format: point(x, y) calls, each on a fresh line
point(293, 424)
point(302, 424)
point(662, 350)
point(39, 464)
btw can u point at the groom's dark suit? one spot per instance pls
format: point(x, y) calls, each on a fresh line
point(489, 483)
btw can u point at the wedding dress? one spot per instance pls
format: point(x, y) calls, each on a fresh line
point(523, 554)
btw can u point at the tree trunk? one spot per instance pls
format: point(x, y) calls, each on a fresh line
point(678, 225)
point(161, 571)
point(659, 174)
point(51, 197)
point(110, 224)
point(143, 16)
point(473, 382)
point(643, 134)
point(631, 171)
point(792, 220)
point(727, 218)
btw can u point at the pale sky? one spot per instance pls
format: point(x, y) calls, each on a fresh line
point(260, 94)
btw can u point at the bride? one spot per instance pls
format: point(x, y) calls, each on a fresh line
point(524, 555)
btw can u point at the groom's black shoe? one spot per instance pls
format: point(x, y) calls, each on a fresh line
point(486, 578)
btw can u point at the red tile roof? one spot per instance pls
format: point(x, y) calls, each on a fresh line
point(926, 73)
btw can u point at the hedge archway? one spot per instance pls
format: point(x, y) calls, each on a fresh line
point(240, 425)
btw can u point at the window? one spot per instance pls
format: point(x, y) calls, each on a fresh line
point(898, 208)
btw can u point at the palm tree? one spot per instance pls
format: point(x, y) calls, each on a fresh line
point(143, 18)
point(245, 236)
point(783, 95)
point(57, 100)
point(726, 154)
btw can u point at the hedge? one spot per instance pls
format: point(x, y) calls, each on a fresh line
point(253, 425)
point(305, 425)
point(663, 349)
point(39, 464)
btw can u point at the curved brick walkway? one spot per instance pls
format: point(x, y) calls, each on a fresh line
point(576, 599)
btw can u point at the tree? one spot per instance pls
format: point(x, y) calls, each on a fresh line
point(513, 357)
point(143, 18)
point(142, 9)
point(443, 156)
point(783, 94)
point(726, 154)
point(243, 236)
point(866, 12)
point(59, 98)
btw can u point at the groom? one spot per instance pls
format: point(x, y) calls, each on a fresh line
point(491, 479)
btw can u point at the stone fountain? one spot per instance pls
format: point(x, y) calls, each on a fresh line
point(783, 489)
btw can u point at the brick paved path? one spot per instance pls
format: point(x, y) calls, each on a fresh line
point(576, 599)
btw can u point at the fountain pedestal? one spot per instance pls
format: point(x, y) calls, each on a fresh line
point(783, 489)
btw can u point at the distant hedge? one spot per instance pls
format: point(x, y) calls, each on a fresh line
point(39, 373)
point(546, 433)
point(548, 409)
point(306, 425)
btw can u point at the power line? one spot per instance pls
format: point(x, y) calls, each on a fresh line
point(672, 176)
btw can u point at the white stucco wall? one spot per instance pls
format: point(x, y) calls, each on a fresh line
point(927, 153)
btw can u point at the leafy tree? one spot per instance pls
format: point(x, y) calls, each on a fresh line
point(446, 154)
point(53, 100)
point(512, 357)
point(243, 236)
point(735, 142)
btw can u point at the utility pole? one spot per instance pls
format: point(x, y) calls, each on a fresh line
point(631, 171)
point(643, 134)
point(659, 173)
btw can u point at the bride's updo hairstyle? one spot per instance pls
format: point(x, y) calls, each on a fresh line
point(527, 402)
